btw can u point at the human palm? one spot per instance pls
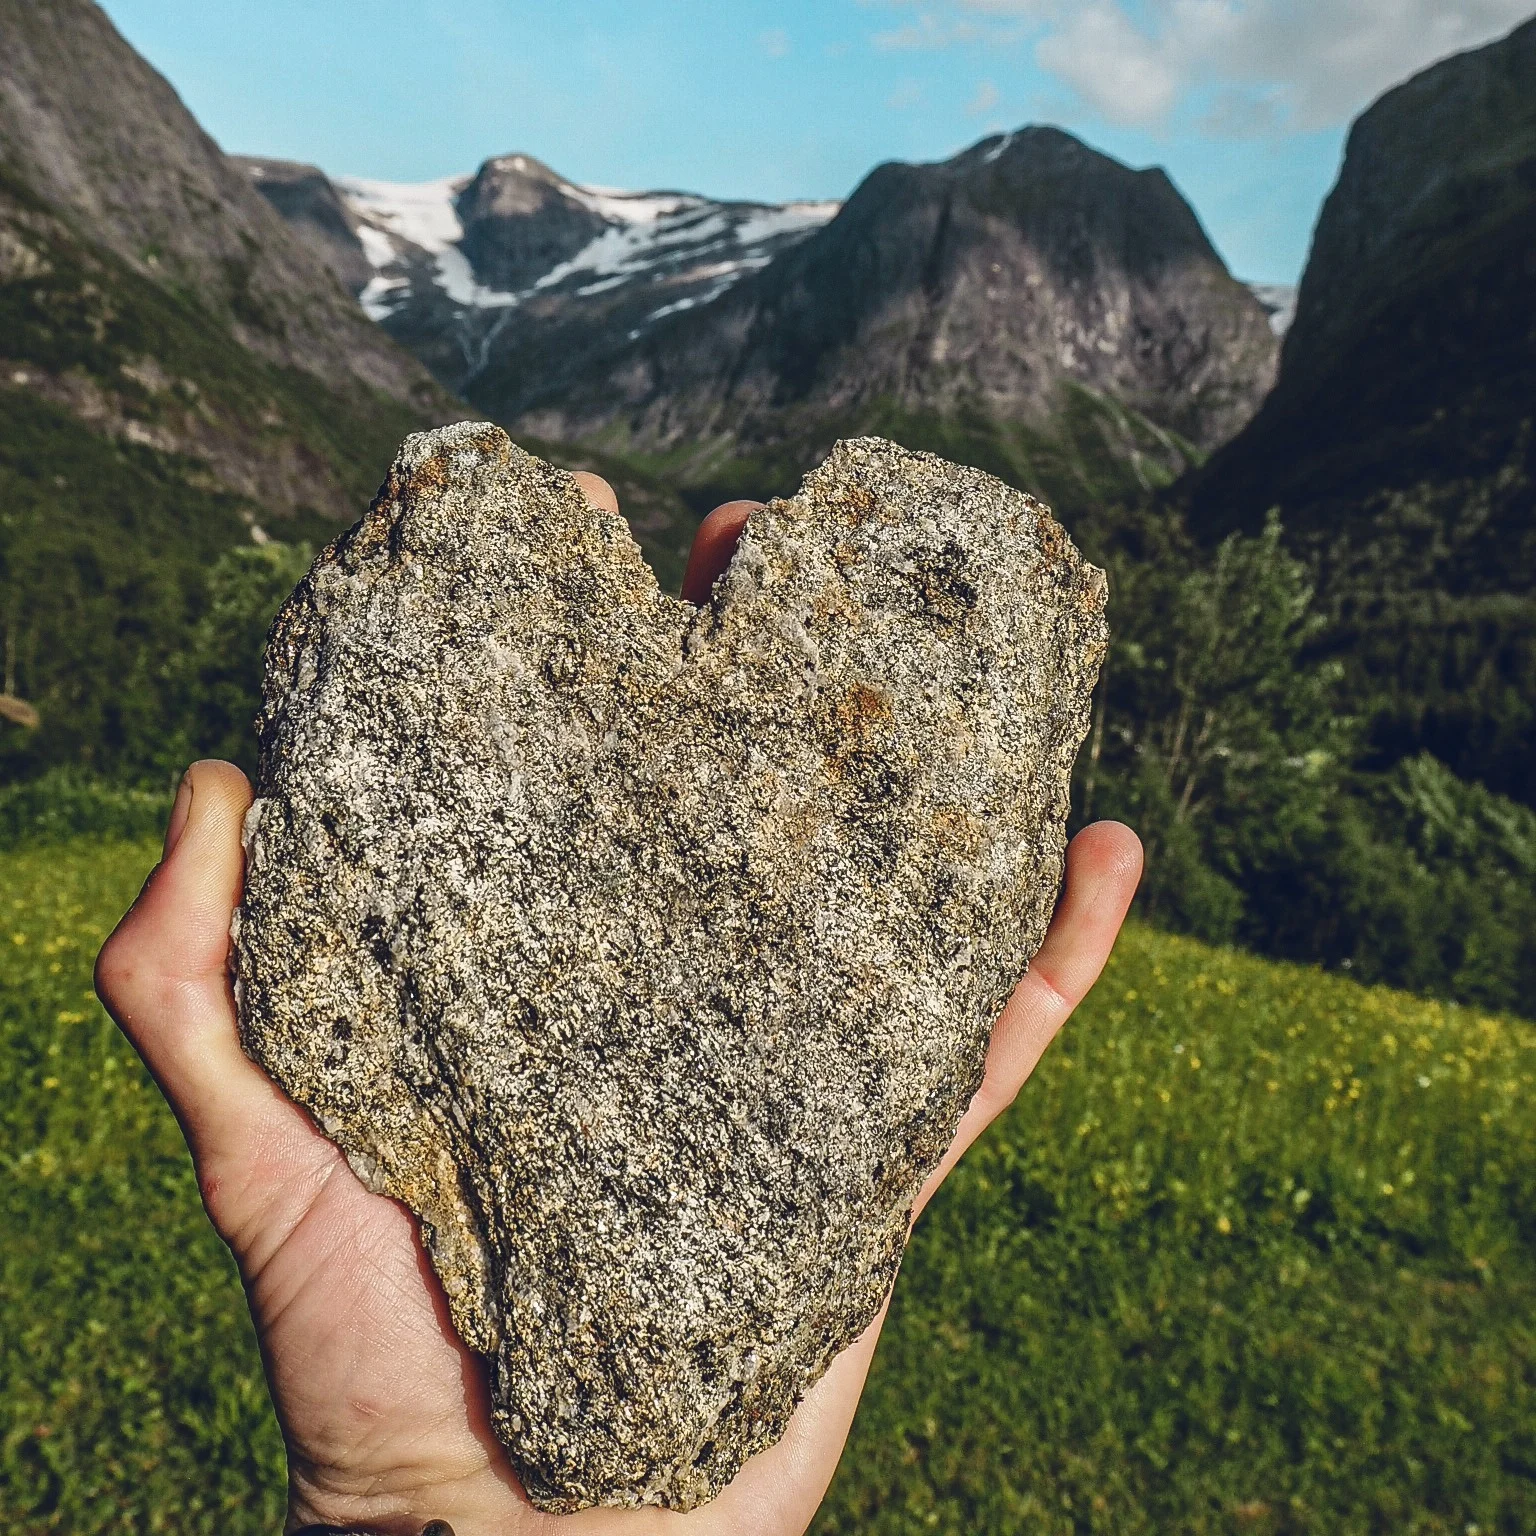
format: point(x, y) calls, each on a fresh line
point(384, 1412)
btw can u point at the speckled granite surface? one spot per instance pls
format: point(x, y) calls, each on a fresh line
point(649, 953)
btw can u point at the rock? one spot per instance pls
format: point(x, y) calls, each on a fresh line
point(650, 953)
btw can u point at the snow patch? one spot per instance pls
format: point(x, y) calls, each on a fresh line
point(377, 247)
point(421, 212)
point(999, 149)
point(375, 297)
point(693, 301)
point(633, 207)
point(456, 278)
point(393, 214)
point(771, 223)
point(1279, 301)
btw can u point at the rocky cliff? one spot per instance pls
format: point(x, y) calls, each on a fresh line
point(1399, 444)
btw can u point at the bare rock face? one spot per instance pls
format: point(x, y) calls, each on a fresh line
point(649, 953)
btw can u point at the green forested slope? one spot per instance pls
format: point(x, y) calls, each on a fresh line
point(138, 441)
point(1399, 444)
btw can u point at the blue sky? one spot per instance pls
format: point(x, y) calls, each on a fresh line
point(1244, 101)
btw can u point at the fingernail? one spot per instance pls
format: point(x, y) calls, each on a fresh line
point(179, 814)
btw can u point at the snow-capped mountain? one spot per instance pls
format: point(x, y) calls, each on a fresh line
point(1005, 286)
point(665, 240)
point(462, 268)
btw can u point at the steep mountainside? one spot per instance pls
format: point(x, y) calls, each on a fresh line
point(1031, 304)
point(150, 292)
point(1400, 441)
point(178, 376)
point(106, 143)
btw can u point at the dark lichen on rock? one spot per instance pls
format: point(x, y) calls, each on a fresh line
point(649, 953)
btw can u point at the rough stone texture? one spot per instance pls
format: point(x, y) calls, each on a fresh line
point(649, 952)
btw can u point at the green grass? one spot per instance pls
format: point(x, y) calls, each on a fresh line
point(131, 1396)
point(1256, 1252)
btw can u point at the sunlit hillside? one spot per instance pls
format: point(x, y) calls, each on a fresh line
point(1255, 1251)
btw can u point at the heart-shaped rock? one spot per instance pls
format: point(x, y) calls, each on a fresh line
point(649, 952)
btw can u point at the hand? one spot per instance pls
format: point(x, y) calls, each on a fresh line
point(384, 1412)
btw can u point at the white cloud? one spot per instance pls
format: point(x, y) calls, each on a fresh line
point(1251, 114)
point(928, 33)
point(1267, 65)
point(775, 43)
point(907, 95)
point(986, 98)
point(1114, 67)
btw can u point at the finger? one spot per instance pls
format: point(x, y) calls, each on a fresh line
point(597, 490)
point(1103, 869)
point(713, 546)
point(164, 977)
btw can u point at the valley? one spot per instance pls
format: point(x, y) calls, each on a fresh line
point(1254, 1249)
point(206, 362)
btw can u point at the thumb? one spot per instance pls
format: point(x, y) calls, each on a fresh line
point(164, 976)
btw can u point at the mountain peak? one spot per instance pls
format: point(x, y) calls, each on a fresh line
point(525, 166)
point(986, 282)
point(1427, 169)
point(466, 268)
point(520, 220)
point(1032, 140)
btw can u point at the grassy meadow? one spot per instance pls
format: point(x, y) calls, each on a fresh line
point(1255, 1252)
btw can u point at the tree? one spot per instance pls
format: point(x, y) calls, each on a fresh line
point(214, 683)
point(1221, 735)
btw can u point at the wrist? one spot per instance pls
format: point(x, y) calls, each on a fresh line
point(431, 1528)
point(405, 1516)
point(326, 1504)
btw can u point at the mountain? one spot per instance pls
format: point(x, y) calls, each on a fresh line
point(179, 376)
point(983, 284)
point(1030, 304)
point(1399, 444)
point(471, 271)
point(143, 270)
